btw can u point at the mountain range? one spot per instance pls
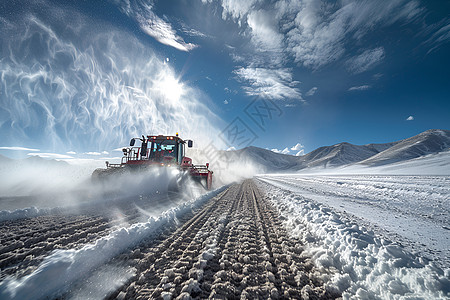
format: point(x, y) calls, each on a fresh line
point(432, 141)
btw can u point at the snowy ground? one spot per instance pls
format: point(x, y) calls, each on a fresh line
point(63, 254)
point(227, 243)
point(386, 236)
point(365, 237)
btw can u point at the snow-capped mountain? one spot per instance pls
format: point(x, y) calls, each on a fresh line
point(428, 142)
point(344, 154)
point(341, 154)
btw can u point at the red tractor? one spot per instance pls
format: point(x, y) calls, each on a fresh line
point(163, 151)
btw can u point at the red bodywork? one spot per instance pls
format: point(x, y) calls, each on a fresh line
point(163, 151)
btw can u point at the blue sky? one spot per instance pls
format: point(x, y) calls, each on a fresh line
point(79, 78)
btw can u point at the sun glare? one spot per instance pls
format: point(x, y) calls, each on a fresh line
point(171, 88)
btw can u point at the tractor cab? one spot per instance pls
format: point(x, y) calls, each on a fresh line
point(160, 149)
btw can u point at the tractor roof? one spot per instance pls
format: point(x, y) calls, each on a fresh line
point(165, 137)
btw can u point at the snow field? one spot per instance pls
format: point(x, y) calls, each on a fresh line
point(413, 210)
point(64, 267)
point(366, 266)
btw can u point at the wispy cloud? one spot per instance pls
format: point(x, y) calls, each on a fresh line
point(317, 34)
point(18, 149)
point(71, 152)
point(265, 34)
point(441, 36)
point(193, 32)
point(99, 95)
point(153, 25)
point(366, 60)
point(359, 88)
point(310, 33)
point(236, 9)
point(311, 92)
point(272, 83)
point(410, 118)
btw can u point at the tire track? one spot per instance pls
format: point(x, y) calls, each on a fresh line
point(235, 247)
point(25, 242)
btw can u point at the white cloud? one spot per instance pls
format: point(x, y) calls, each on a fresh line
point(300, 153)
point(51, 155)
point(237, 9)
point(153, 25)
point(366, 60)
point(231, 149)
point(225, 102)
point(359, 88)
point(93, 153)
point(272, 83)
point(284, 151)
point(311, 92)
point(265, 35)
point(105, 152)
point(71, 152)
point(410, 118)
point(18, 149)
point(297, 147)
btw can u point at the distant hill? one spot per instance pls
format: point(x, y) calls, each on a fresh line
point(39, 161)
point(4, 159)
point(344, 154)
point(270, 160)
point(341, 154)
point(428, 142)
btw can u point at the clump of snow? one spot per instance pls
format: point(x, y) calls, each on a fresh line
point(366, 266)
point(29, 212)
point(64, 267)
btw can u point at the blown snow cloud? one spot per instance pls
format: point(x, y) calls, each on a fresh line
point(95, 85)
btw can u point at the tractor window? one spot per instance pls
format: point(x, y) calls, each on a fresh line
point(162, 148)
point(169, 150)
